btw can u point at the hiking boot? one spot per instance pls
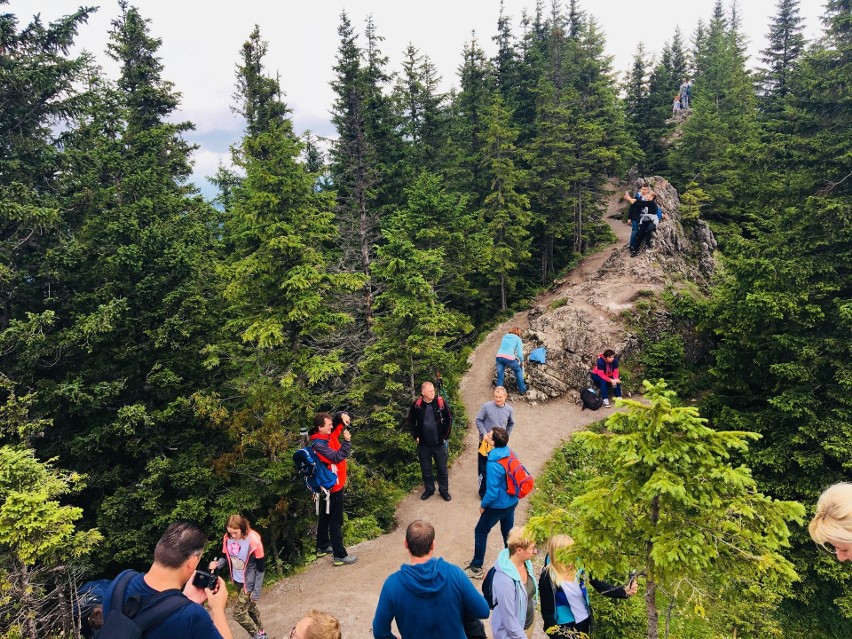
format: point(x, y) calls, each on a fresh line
point(606, 403)
point(446, 496)
point(260, 634)
point(474, 572)
point(322, 552)
point(427, 494)
point(348, 560)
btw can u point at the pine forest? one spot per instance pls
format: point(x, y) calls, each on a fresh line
point(162, 353)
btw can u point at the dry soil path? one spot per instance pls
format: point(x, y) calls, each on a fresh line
point(351, 592)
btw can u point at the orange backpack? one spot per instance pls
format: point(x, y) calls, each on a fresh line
point(518, 481)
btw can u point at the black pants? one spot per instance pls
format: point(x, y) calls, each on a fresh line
point(644, 234)
point(481, 464)
point(330, 529)
point(439, 453)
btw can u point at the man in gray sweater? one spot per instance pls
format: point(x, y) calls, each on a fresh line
point(496, 413)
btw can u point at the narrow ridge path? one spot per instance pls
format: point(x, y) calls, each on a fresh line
point(351, 592)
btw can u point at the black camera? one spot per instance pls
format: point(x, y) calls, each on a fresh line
point(203, 579)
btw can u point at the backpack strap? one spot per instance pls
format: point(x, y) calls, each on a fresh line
point(159, 608)
point(116, 601)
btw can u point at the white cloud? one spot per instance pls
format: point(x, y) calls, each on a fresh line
point(201, 40)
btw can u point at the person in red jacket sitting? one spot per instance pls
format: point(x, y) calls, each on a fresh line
point(325, 438)
point(605, 374)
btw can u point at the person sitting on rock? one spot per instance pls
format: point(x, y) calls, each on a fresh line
point(647, 214)
point(645, 201)
point(605, 374)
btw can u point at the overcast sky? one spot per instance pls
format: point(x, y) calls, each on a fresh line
point(202, 38)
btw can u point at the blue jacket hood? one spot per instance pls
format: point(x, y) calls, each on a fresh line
point(498, 453)
point(423, 579)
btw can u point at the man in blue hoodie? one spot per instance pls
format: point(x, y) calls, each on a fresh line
point(428, 597)
point(497, 504)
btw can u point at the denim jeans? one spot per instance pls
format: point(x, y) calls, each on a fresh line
point(502, 363)
point(604, 386)
point(487, 521)
point(633, 232)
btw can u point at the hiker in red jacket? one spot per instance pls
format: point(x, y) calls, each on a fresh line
point(605, 374)
point(430, 423)
point(325, 437)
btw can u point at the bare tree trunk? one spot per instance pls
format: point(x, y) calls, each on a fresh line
point(502, 291)
point(364, 231)
point(578, 222)
point(28, 603)
point(650, 584)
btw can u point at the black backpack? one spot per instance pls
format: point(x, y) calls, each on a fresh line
point(590, 399)
point(127, 619)
point(488, 587)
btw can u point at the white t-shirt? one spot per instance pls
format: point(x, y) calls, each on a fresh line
point(575, 600)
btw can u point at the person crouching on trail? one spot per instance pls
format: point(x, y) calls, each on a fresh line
point(511, 354)
point(430, 423)
point(605, 374)
point(244, 556)
point(325, 436)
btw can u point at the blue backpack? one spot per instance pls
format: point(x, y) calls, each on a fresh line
point(318, 477)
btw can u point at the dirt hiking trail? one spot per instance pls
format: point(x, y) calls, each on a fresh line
point(352, 592)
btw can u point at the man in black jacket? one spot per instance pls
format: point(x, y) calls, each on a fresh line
point(430, 422)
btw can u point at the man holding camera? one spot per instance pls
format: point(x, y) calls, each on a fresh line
point(325, 439)
point(176, 558)
point(430, 423)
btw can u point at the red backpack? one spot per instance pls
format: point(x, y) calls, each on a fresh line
point(518, 481)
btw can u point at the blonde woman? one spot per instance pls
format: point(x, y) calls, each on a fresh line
point(565, 606)
point(832, 523)
point(514, 590)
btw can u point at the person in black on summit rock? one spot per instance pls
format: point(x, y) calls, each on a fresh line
point(431, 422)
point(644, 214)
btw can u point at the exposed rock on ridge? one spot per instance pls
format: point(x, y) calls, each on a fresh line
point(582, 318)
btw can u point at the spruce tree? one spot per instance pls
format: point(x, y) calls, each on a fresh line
point(422, 114)
point(665, 494)
point(277, 287)
point(37, 82)
point(135, 302)
point(477, 85)
point(505, 208)
point(786, 45)
point(720, 135)
point(354, 169)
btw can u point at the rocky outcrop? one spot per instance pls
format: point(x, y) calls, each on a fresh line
point(584, 318)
